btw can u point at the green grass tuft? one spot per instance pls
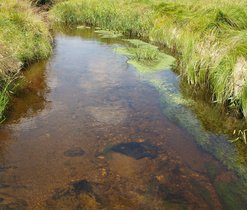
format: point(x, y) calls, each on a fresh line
point(4, 100)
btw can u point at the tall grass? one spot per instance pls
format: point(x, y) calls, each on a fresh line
point(4, 99)
point(108, 14)
point(209, 37)
point(24, 37)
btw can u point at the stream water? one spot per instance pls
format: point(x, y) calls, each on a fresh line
point(89, 132)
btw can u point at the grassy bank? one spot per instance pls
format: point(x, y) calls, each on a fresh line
point(209, 38)
point(24, 38)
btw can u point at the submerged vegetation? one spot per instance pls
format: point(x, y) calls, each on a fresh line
point(178, 109)
point(206, 59)
point(210, 39)
point(211, 45)
point(107, 34)
point(146, 57)
point(24, 37)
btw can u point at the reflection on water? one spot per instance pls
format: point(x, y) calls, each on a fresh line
point(30, 98)
point(88, 133)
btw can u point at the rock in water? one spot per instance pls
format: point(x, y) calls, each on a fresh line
point(77, 195)
point(137, 150)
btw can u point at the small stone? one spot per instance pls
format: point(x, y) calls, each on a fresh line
point(103, 172)
point(160, 178)
point(164, 158)
point(140, 140)
point(101, 157)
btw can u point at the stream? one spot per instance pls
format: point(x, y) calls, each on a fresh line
point(88, 131)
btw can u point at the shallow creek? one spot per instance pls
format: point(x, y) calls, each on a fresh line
point(90, 132)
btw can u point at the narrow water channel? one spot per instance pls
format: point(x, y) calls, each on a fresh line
point(89, 132)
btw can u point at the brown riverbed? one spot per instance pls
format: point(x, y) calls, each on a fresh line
point(88, 132)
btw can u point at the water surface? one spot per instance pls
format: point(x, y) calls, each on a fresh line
point(89, 132)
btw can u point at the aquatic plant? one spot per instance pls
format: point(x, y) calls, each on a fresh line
point(232, 194)
point(145, 57)
point(177, 109)
point(108, 34)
